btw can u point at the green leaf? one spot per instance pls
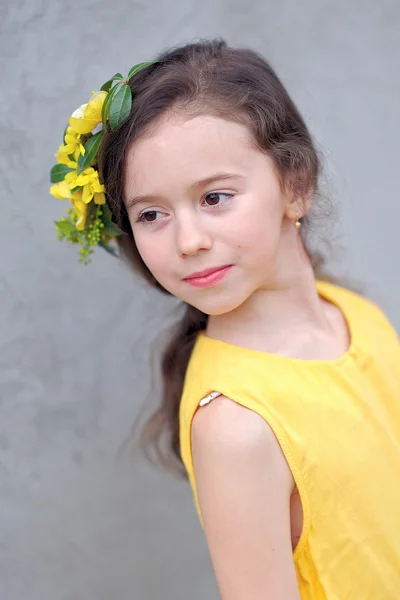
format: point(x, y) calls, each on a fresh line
point(107, 215)
point(113, 229)
point(108, 249)
point(110, 228)
point(137, 68)
point(65, 227)
point(91, 149)
point(58, 172)
point(120, 106)
point(106, 105)
point(107, 85)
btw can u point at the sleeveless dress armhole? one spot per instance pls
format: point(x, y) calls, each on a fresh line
point(283, 442)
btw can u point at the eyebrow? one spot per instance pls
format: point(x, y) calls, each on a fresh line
point(196, 185)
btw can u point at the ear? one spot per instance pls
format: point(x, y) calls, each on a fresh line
point(298, 206)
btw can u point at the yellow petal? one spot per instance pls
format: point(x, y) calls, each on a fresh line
point(83, 126)
point(62, 158)
point(71, 133)
point(95, 106)
point(97, 186)
point(77, 195)
point(70, 179)
point(82, 179)
point(81, 212)
point(60, 190)
point(99, 198)
point(93, 178)
point(65, 149)
point(89, 171)
point(71, 139)
point(87, 194)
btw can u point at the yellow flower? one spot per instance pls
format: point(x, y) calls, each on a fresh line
point(72, 177)
point(80, 209)
point(61, 190)
point(85, 118)
point(93, 189)
point(89, 181)
point(61, 156)
point(72, 146)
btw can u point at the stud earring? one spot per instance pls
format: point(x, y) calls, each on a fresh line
point(297, 224)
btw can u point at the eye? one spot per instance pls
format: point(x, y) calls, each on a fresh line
point(148, 216)
point(213, 199)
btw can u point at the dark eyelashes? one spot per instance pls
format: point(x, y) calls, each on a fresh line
point(228, 195)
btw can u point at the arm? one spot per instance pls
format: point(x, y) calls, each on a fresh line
point(244, 485)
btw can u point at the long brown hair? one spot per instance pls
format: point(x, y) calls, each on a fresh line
point(236, 84)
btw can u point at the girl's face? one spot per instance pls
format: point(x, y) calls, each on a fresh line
point(201, 196)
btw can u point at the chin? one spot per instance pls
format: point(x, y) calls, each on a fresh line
point(217, 306)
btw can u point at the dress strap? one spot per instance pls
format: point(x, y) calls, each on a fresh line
point(209, 397)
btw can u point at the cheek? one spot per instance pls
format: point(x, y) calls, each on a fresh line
point(155, 259)
point(257, 233)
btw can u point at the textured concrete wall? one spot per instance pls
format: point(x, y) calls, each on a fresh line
point(76, 521)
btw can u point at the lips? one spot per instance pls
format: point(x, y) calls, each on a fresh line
point(206, 272)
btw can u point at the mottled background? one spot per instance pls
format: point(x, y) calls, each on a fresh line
point(77, 521)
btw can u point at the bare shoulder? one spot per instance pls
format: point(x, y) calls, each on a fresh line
point(224, 430)
point(244, 484)
point(225, 423)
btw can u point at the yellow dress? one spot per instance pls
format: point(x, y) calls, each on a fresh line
point(338, 424)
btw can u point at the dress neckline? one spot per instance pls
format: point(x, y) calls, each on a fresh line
point(330, 292)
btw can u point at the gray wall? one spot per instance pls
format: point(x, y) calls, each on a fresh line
point(76, 520)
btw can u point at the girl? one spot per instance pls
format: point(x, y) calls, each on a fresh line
point(281, 390)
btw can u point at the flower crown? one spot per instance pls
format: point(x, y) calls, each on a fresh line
point(76, 177)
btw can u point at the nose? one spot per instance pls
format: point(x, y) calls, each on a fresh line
point(191, 235)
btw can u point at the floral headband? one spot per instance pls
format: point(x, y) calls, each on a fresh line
point(75, 177)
